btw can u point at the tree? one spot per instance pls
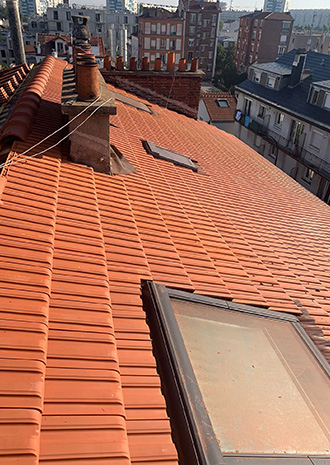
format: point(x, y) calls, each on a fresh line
point(221, 24)
point(225, 70)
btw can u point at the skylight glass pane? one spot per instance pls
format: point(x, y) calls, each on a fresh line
point(223, 103)
point(263, 389)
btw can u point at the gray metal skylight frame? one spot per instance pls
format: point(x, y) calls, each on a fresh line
point(192, 429)
point(169, 155)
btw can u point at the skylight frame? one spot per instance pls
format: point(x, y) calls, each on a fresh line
point(169, 155)
point(223, 100)
point(199, 446)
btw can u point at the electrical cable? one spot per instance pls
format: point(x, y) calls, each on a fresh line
point(13, 161)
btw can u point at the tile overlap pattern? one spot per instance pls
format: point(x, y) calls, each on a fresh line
point(80, 384)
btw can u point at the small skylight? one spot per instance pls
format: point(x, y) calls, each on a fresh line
point(169, 155)
point(223, 103)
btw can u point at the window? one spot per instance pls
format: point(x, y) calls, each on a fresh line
point(162, 44)
point(309, 175)
point(58, 26)
point(192, 30)
point(125, 20)
point(173, 30)
point(97, 17)
point(172, 44)
point(153, 44)
point(169, 155)
point(60, 47)
point(68, 15)
point(270, 82)
point(316, 140)
point(190, 55)
point(247, 106)
point(179, 29)
point(223, 103)
point(147, 28)
point(281, 50)
point(261, 112)
point(279, 118)
point(3, 53)
point(163, 29)
point(256, 77)
point(327, 102)
point(55, 15)
point(153, 28)
point(210, 55)
point(192, 18)
point(147, 43)
point(241, 378)
point(34, 25)
point(190, 43)
point(214, 20)
point(286, 25)
point(99, 27)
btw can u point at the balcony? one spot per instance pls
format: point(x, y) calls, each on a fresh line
point(293, 148)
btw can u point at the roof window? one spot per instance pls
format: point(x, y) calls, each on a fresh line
point(223, 103)
point(169, 155)
point(243, 384)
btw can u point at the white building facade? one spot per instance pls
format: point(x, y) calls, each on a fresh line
point(295, 141)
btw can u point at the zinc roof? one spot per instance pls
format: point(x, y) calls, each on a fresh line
point(75, 246)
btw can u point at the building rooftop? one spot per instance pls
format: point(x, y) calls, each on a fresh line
point(295, 99)
point(267, 15)
point(221, 106)
point(75, 245)
point(274, 67)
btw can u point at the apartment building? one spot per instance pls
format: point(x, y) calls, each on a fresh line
point(311, 41)
point(262, 38)
point(201, 32)
point(279, 6)
point(116, 28)
point(160, 32)
point(283, 112)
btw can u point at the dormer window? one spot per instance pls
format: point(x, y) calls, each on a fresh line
point(256, 77)
point(327, 102)
point(314, 96)
point(270, 82)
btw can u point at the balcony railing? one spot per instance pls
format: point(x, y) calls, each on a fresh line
point(292, 147)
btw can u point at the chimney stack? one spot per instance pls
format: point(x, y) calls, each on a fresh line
point(16, 31)
point(298, 66)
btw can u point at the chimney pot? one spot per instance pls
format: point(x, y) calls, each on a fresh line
point(107, 63)
point(120, 63)
point(158, 64)
point(132, 64)
point(182, 65)
point(88, 81)
point(194, 65)
point(145, 64)
point(170, 61)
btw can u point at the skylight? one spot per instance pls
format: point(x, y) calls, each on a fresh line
point(169, 155)
point(251, 382)
point(223, 103)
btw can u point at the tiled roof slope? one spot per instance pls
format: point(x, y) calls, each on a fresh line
point(295, 99)
point(217, 113)
point(76, 357)
point(10, 79)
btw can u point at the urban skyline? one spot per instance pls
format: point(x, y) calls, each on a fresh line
point(237, 4)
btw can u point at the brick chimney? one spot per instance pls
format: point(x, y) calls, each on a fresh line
point(85, 89)
point(176, 89)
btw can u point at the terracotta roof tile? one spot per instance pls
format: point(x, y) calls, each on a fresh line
point(75, 246)
point(217, 113)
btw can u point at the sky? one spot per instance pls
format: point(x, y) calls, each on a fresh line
point(237, 4)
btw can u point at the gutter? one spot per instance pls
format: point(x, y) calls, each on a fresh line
point(290, 112)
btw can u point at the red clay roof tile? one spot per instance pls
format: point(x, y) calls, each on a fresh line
point(76, 245)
